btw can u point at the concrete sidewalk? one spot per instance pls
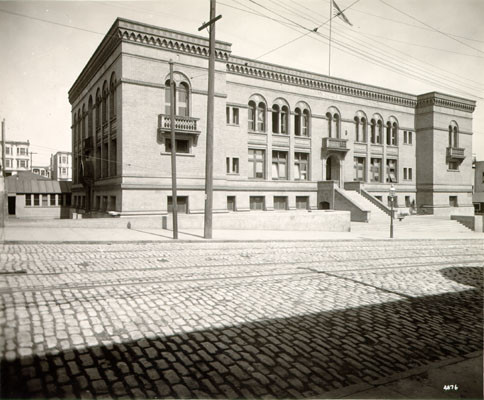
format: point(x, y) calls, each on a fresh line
point(37, 234)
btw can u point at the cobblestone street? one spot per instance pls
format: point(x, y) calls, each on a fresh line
point(233, 320)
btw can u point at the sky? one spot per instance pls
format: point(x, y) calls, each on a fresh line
point(414, 46)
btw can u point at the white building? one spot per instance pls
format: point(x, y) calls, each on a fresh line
point(61, 166)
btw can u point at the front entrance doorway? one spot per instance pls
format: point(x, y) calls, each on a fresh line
point(332, 169)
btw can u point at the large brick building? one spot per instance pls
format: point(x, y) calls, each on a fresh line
point(278, 132)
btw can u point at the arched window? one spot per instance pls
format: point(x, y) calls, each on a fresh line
point(89, 117)
point(275, 118)
point(98, 109)
point(330, 124)
point(83, 121)
point(261, 117)
point(74, 129)
point(389, 133)
point(453, 135)
point(297, 121)
point(105, 103)
point(334, 124)
point(379, 135)
point(305, 123)
point(181, 99)
point(373, 131)
point(284, 117)
point(395, 134)
point(337, 125)
point(112, 97)
point(252, 115)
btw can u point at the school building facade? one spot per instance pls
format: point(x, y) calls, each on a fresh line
point(278, 132)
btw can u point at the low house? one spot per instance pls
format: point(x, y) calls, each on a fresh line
point(32, 196)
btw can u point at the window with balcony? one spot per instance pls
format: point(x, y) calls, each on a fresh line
point(256, 164)
point(279, 165)
point(453, 135)
point(391, 175)
point(359, 165)
point(375, 170)
point(301, 166)
point(334, 125)
point(182, 97)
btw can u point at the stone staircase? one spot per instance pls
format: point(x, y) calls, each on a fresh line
point(412, 224)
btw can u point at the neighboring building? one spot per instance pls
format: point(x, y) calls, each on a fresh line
point(33, 196)
point(278, 132)
point(478, 195)
point(17, 157)
point(61, 166)
point(41, 171)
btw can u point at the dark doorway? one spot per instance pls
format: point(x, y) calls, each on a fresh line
point(324, 205)
point(11, 205)
point(181, 204)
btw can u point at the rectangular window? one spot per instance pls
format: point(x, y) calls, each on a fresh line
point(227, 115)
point(280, 203)
point(235, 165)
point(410, 174)
point(256, 164)
point(181, 204)
point(256, 202)
point(36, 199)
point(8, 163)
point(391, 175)
point(232, 165)
point(454, 165)
point(182, 146)
point(28, 200)
point(407, 137)
point(359, 165)
point(112, 203)
point(231, 203)
point(301, 166)
point(7, 150)
point(453, 201)
point(44, 200)
point(375, 170)
point(408, 202)
point(52, 199)
point(302, 202)
point(279, 165)
point(235, 116)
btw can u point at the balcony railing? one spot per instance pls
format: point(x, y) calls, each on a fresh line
point(455, 153)
point(186, 125)
point(335, 144)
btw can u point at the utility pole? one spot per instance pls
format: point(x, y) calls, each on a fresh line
point(173, 154)
point(330, 29)
point(207, 230)
point(3, 148)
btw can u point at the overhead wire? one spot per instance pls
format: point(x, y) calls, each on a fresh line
point(349, 48)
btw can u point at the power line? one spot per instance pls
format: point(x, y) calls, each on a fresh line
point(429, 26)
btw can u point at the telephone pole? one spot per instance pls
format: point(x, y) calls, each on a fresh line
point(207, 230)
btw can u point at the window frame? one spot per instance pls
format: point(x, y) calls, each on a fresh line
point(300, 161)
point(279, 161)
point(254, 161)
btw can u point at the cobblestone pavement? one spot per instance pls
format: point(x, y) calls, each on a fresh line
point(232, 320)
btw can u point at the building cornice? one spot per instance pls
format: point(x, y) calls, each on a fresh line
point(445, 100)
point(291, 76)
